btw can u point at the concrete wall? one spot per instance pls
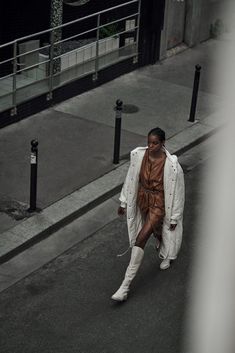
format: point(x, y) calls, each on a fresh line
point(199, 15)
point(175, 23)
point(192, 22)
point(211, 11)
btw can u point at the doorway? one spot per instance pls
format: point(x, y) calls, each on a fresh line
point(175, 22)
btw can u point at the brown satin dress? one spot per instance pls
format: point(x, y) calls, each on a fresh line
point(150, 198)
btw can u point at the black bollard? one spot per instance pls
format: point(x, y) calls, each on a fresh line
point(195, 93)
point(117, 137)
point(33, 175)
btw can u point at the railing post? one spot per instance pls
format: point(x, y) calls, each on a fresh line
point(135, 60)
point(117, 137)
point(95, 76)
point(33, 175)
point(51, 65)
point(14, 83)
point(195, 94)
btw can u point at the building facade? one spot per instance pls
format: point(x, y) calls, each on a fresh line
point(190, 22)
point(80, 44)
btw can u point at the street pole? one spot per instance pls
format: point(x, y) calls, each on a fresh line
point(33, 175)
point(195, 94)
point(117, 137)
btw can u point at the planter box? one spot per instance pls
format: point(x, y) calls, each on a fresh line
point(107, 46)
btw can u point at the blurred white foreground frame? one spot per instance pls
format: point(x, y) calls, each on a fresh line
point(210, 327)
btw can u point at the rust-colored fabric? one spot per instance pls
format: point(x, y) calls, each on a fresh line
point(150, 198)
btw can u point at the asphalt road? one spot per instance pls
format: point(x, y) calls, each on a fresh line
point(65, 306)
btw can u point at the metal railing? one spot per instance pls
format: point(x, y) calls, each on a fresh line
point(36, 68)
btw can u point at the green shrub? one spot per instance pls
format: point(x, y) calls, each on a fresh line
point(217, 28)
point(108, 31)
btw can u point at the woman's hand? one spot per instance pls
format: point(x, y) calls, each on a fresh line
point(173, 226)
point(121, 211)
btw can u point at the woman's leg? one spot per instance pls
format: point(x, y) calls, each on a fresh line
point(158, 235)
point(137, 254)
point(144, 235)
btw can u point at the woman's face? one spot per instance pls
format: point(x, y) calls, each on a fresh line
point(154, 143)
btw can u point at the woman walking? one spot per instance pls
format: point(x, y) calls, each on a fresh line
point(153, 199)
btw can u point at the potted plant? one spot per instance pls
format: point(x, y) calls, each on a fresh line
point(109, 39)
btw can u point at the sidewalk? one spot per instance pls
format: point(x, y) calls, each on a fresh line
point(75, 171)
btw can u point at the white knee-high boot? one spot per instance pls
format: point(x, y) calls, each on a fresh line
point(137, 254)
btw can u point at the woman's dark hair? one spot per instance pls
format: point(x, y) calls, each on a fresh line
point(159, 133)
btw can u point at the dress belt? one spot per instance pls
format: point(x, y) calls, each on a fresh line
point(150, 191)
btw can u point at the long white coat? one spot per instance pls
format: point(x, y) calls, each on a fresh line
point(174, 202)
